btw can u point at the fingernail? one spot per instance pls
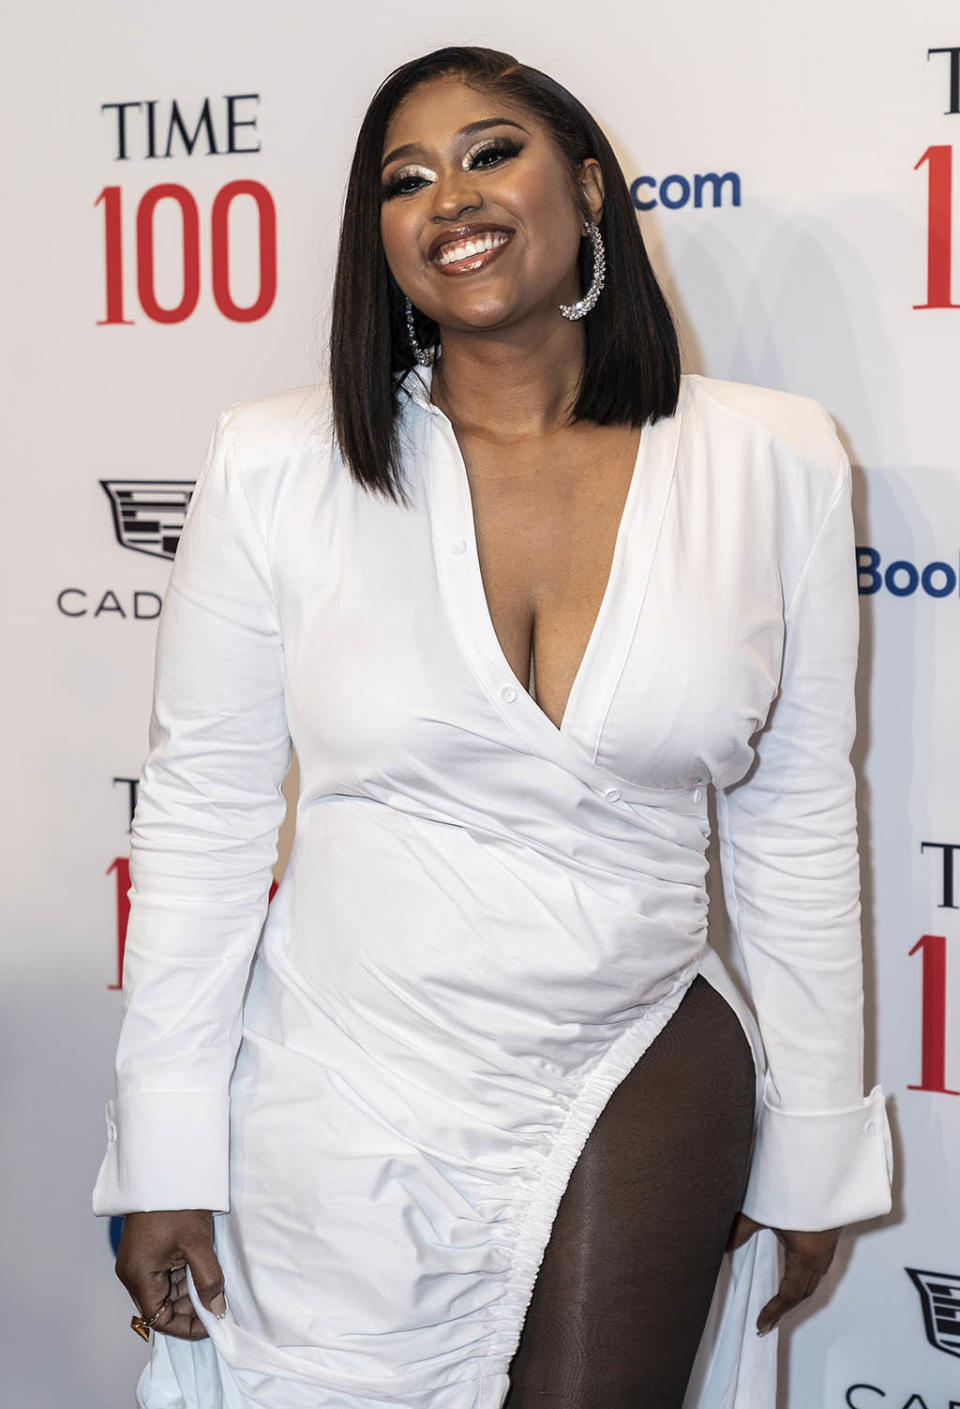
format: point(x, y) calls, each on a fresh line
point(219, 1306)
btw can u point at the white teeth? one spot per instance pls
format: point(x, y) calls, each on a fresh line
point(452, 253)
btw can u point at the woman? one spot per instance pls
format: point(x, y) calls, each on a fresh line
point(518, 591)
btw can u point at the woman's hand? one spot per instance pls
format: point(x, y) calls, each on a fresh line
point(808, 1257)
point(155, 1249)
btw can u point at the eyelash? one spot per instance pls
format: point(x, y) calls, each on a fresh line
point(503, 147)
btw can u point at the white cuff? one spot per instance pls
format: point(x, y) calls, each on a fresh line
point(165, 1149)
point(813, 1170)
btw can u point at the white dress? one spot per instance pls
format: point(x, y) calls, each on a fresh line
point(485, 920)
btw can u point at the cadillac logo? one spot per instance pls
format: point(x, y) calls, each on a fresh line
point(148, 514)
point(940, 1299)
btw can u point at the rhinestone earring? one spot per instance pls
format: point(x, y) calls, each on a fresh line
point(422, 356)
point(584, 305)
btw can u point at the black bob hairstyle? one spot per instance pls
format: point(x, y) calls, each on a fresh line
point(632, 358)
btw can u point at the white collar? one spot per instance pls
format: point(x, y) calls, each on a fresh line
point(417, 383)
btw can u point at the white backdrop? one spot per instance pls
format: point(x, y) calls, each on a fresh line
point(836, 123)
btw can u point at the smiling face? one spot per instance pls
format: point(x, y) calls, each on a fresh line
point(479, 220)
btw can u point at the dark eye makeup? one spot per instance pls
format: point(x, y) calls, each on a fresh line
point(499, 148)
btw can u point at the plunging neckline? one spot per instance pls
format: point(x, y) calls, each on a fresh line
point(575, 742)
point(609, 591)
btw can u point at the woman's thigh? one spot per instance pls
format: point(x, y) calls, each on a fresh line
point(629, 1272)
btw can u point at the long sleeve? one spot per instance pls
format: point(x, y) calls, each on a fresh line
point(204, 842)
point(790, 866)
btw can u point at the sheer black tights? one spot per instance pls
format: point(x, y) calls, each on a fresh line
point(623, 1292)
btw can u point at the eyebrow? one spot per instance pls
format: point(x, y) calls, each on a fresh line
point(409, 148)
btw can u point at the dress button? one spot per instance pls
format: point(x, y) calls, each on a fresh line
point(458, 546)
point(612, 794)
point(111, 1132)
point(871, 1126)
point(508, 693)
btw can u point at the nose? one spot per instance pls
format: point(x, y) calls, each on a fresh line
point(454, 194)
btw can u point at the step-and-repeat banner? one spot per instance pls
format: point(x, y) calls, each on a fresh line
point(173, 180)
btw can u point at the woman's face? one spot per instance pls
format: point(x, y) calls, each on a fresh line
point(479, 224)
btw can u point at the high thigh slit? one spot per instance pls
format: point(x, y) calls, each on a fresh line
point(627, 1277)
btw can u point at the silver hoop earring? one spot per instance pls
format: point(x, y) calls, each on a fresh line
point(583, 305)
point(421, 355)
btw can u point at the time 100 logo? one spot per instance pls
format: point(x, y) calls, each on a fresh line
point(154, 131)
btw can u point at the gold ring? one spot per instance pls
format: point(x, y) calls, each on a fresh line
point(144, 1326)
